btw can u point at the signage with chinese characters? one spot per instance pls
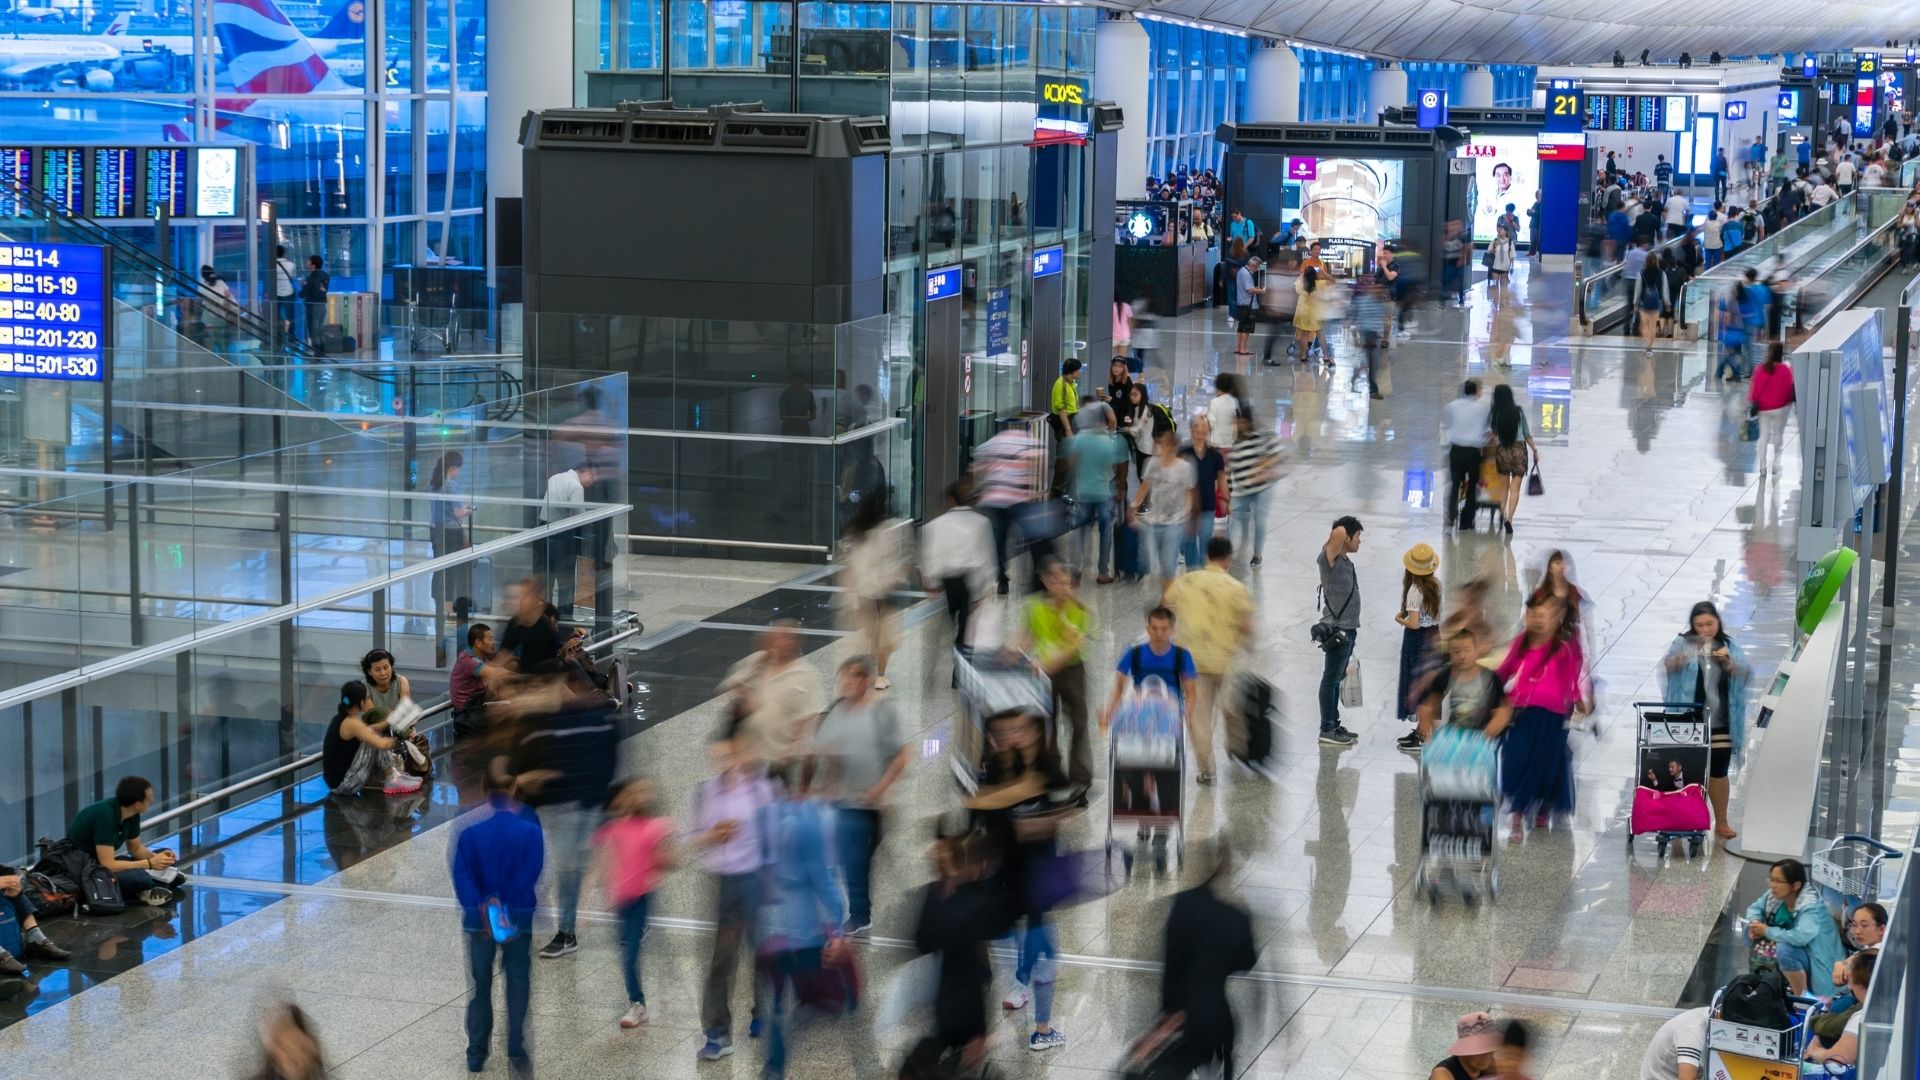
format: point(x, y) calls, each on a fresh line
point(999, 320)
point(1303, 168)
point(1048, 261)
point(55, 311)
point(1480, 149)
point(943, 283)
point(1433, 108)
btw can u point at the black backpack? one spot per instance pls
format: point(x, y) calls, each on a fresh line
point(1757, 999)
point(98, 890)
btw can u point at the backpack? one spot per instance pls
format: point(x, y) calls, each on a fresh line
point(50, 894)
point(1757, 999)
point(97, 891)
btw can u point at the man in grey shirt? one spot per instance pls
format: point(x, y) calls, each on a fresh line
point(1340, 609)
point(863, 733)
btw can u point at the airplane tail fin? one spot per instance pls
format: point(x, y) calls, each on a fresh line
point(118, 26)
point(266, 53)
point(348, 24)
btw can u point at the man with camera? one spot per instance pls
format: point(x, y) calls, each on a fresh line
point(1339, 622)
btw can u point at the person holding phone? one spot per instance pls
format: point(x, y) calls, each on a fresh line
point(1706, 666)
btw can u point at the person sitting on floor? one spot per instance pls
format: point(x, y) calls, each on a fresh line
point(1846, 1049)
point(35, 945)
point(103, 828)
point(356, 754)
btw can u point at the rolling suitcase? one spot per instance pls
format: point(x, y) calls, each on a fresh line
point(1256, 709)
point(1129, 554)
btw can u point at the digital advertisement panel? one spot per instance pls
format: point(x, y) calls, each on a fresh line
point(1506, 169)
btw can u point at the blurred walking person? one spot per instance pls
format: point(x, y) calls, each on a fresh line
point(1055, 631)
point(1166, 503)
point(1215, 619)
point(289, 1046)
point(1771, 395)
point(1208, 940)
point(1092, 455)
point(868, 743)
point(870, 572)
point(956, 556)
point(567, 755)
point(1252, 469)
point(496, 864)
point(637, 846)
point(729, 812)
point(960, 912)
point(1546, 670)
point(778, 694)
point(1003, 470)
point(804, 903)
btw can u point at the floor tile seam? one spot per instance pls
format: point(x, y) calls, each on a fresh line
point(1378, 987)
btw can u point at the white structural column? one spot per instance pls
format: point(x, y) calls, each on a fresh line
point(530, 68)
point(1476, 88)
point(1120, 76)
point(1386, 87)
point(1273, 85)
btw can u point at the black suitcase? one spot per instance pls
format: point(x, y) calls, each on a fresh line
point(1257, 707)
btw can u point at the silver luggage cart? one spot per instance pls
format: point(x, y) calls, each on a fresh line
point(1457, 844)
point(1146, 770)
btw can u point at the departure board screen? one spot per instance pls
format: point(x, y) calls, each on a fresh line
point(1648, 113)
point(114, 181)
point(166, 169)
point(16, 167)
point(63, 177)
point(1620, 113)
point(1597, 106)
point(53, 311)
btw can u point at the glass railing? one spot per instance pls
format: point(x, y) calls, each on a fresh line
point(766, 436)
point(102, 566)
point(1890, 1028)
point(1838, 284)
point(1829, 230)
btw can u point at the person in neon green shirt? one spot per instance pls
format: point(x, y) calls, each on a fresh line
point(1065, 400)
point(1054, 631)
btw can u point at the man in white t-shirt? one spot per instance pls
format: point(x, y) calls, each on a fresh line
point(1679, 1049)
point(1843, 174)
point(1874, 175)
point(1823, 194)
point(1678, 209)
point(286, 291)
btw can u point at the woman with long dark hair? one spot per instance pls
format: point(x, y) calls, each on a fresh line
point(1306, 314)
point(448, 515)
point(1545, 676)
point(1513, 451)
point(1149, 422)
point(1705, 666)
point(1419, 617)
point(1556, 583)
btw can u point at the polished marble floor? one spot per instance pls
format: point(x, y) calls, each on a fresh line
point(1647, 488)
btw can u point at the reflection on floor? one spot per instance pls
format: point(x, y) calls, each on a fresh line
point(1648, 489)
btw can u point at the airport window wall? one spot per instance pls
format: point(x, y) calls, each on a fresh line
point(1198, 81)
point(372, 158)
point(1512, 83)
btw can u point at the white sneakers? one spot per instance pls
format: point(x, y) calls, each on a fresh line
point(634, 1016)
point(401, 784)
point(1016, 998)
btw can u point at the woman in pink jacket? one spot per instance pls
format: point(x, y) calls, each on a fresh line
point(1772, 397)
point(1544, 674)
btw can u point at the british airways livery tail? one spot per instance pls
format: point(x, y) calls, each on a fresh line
point(267, 54)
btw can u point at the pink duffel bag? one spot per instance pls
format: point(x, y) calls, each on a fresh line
point(1685, 810)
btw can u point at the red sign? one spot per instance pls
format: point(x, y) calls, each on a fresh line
point(1479, 150)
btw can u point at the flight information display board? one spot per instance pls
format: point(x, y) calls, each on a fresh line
point(63, 177)
point(16, 167)
point(55, 311)
point(1637, 112)
point(1649, 113)
point(115, 182)
point(1620, 113)
point(165, 173)
point(1597, 106)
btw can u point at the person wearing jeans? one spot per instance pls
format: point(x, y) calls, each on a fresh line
point(572, 757)
point(1092, 455)
point(1340, 608)
point(1166, 502)
point(727, 814)
point(496, 864)
point(803, 898)
point(1215, 614)
point(862, 732)
point(1253, 467)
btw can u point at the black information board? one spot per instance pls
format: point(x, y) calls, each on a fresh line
point(115, 181)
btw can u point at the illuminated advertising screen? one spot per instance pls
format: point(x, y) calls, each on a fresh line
point(216, 182)
point(166, 170)
point(1347, 199)
point(114, 181)
point(1506, 169)
point(1679, 112)
point(1563, 146)
point(16, 168)
point(54, 311)
point(63, 176)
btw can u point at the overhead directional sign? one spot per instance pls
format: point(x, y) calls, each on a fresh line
point(55, 311)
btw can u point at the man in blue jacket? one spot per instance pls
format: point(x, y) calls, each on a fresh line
point(497, 858)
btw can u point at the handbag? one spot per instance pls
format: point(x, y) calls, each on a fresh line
point(1534, 485)
point(1220, 506)
point(1350, 695)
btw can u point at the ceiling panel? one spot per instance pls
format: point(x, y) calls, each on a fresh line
point(1552, 31)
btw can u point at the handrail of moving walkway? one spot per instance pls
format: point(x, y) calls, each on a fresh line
point(632, 628)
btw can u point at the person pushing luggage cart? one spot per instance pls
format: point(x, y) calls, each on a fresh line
point(1462, 711)
point(1146, 755)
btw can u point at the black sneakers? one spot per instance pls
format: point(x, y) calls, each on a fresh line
point(1410, 743)
point(1338, 735)
point(561, 945)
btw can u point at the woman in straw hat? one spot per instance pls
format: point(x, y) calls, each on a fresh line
point(1420, 615)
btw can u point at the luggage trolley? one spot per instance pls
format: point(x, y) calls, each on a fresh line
point(1146, 764)
point(1737, 1050)
point(1459, 801)
point(992, 683)
point(1848, 871)
point(1670, 795)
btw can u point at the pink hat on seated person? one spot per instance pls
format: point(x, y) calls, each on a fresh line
point(1477, 1035)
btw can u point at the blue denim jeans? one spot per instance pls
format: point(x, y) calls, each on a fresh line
point(1247, 521)
point(859, 830)
point(1331, 676)
point(1792, 957)
point(1097, 515)
point(780, 968)
point(633, 930)
point(515, 962)
point(1037, 966)
point(569, 826)
point(1165, 541)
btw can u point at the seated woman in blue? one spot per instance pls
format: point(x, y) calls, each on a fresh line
point(1793, 923)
